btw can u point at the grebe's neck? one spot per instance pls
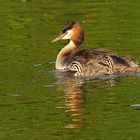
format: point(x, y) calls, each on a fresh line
point(63, 54)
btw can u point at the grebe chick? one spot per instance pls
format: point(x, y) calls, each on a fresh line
point(87, 63)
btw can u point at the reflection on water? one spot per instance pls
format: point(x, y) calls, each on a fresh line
point(74, 100)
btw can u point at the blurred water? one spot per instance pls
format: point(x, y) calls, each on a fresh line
point(36, 102)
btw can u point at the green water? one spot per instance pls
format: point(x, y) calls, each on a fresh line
point(38, 104)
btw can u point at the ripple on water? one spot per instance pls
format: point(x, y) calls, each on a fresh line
point(51, 85)
point(37, 65)
point(14, 94)
point(135, 105)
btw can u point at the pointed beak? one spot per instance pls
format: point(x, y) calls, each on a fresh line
point(58, 37)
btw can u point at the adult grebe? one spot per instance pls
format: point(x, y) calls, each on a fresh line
point(87, 63)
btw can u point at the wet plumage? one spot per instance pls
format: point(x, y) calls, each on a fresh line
point(87, 63)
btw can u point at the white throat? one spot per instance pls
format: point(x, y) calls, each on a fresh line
point(62, 55)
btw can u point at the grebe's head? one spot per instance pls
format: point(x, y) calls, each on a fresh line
point(71, 31)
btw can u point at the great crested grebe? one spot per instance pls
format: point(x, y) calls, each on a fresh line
point(87, 63)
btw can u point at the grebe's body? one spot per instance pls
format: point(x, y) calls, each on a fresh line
point(87, 63)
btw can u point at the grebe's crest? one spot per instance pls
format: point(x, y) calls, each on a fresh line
point(71, 31)
point(67, 30)
point(68, 26)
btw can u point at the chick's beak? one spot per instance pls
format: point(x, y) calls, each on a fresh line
point(59, 37)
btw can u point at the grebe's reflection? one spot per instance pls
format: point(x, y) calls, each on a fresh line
point(74, 97)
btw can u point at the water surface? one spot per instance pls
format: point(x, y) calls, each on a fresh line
point(38, 103)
